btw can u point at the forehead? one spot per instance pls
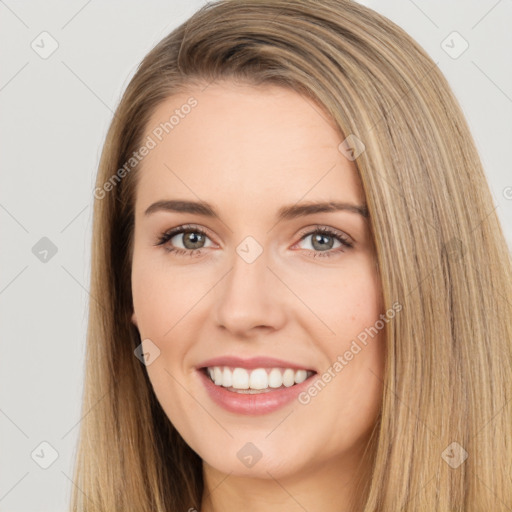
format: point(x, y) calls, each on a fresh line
point(264, 143)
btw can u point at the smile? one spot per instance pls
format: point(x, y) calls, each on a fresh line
point(258, 380)
point(263, 386)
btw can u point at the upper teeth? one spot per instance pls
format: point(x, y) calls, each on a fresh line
point(259, 378)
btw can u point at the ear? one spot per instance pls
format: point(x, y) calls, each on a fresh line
point(134, 319)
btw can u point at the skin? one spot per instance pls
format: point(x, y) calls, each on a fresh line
point(249, 151)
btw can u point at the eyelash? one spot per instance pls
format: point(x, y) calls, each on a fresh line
point(168, 235)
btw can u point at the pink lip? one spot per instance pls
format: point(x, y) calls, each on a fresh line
point(256, 404)
point(251, 363)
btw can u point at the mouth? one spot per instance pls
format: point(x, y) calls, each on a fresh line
point(256, 380)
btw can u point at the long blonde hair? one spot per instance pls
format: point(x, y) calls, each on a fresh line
point(439, 244)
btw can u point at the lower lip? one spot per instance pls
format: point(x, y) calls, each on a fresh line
point(252, 404)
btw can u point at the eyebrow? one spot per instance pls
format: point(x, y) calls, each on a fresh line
point(285, 213)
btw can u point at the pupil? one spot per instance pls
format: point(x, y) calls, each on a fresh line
point(192, 236)
point(319, 238)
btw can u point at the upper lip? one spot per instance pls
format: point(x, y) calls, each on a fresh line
point(251, 363)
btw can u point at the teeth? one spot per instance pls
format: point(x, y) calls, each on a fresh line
point(288, 377)
point(275, 378)
point(217, 376)
point(257, 379)
point(300, 376)
point(240, 378)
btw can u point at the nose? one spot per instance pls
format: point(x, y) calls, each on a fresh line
point(250, 298)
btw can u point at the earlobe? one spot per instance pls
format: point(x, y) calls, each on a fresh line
point(134, 319)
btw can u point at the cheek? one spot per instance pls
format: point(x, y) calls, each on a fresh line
point(346, 301)
point(352, 307)
point(163, 302)
point(361, 332)
point(161, 298)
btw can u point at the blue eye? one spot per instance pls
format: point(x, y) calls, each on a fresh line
point(321, 236)
point(199, 236)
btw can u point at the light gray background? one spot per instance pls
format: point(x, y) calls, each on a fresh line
point(55, 113)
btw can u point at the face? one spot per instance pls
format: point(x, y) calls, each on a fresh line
point(253, 290)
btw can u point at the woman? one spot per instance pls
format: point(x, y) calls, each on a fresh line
point(235, 361)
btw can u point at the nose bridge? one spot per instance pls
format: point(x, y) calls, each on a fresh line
point(248, 295)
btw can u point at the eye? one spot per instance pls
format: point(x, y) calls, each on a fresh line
point(323, 239)
point(192, 239)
